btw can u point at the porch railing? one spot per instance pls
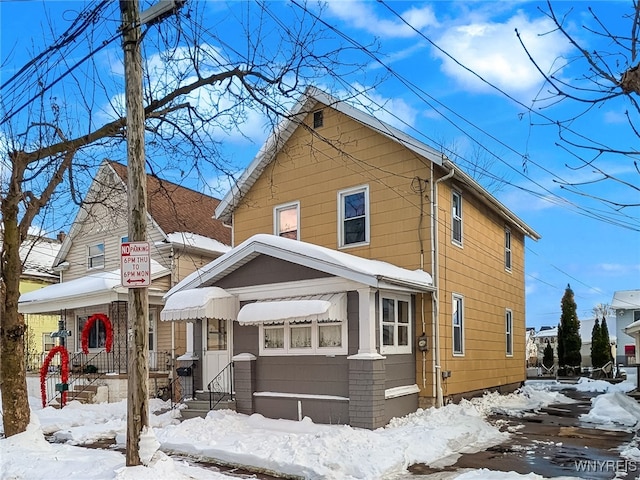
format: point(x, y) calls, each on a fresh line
point(86, 370)
point(221, 387)
point(97, 362)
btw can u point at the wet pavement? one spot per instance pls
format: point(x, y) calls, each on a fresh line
point(552, 443)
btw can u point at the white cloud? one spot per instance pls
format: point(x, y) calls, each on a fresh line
point(362, 15)
point(492, 50)
point(612, 117)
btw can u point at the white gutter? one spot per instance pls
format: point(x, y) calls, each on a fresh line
point(437, 371)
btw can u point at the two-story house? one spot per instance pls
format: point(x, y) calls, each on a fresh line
point(183, 237)
point(370, 275)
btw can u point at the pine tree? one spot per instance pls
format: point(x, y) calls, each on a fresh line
point(596, 342)
point(606, 341)
point(547, 356)
point(569, 341)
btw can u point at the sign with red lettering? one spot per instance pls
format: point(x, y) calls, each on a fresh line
point(135, 264)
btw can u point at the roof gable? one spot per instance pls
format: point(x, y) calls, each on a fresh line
point(279, 137)
point(307, 104)
point(178, 212)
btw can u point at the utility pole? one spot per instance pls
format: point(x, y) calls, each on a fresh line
point(138, 305)
point(138, 300)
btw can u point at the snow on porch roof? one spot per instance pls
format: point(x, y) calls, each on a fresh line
point(98, 287)
point(374, 273)
point(322, 308)
point(207, 302)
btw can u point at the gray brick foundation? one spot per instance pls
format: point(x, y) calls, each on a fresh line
point(366, 393)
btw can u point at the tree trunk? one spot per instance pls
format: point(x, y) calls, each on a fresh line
point(138, 311)
point(13, 375)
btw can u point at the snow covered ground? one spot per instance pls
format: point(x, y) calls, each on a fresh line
point(432, 436)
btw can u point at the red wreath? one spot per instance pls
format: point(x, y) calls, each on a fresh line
point(64, 371)
point(87, 329)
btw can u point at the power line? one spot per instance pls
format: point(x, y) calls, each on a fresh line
point(420, 93)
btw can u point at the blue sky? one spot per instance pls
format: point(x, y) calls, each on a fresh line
point(426, 77)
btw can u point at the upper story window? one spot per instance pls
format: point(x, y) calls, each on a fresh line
point(507, 249)
point(354, 216)
point(318, 119)
point(286, 220)
point(458, 325)
point(395, 324)
point(456, 218)
point(95, 256)
point(508, 320)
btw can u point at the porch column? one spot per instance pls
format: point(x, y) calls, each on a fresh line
point(366, 391)
point(367, 321)
point(244, 381)
point(190, 347)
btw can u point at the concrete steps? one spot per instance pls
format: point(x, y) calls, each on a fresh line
point(199, 406)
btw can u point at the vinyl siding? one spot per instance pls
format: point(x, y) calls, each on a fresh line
point(312, 172)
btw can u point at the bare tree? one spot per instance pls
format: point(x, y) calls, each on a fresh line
point(610, 77)
point(199, 85)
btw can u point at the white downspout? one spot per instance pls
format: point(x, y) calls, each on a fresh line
point(435, 263)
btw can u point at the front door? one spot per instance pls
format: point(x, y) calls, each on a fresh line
point(217, 354)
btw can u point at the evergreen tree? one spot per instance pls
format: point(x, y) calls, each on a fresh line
point(569, 341)
point(596, 343)
point(547, 356)
point(606, 341)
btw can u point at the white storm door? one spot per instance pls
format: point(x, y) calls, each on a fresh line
point(217, 354)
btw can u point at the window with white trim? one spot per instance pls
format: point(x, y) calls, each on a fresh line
point(307, 337)
point(286, 220)
point(458, 325)
point(48, 342)
point(456, 218)
point(507, 249)
point(95, 256)
point(395, 324)
point(508, 320)
point(353, 205)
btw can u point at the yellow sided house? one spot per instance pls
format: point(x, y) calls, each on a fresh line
point(38, 254)
point(370, 274)
point(91, 301)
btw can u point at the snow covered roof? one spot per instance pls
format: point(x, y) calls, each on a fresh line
point(195, 241)
point(549, 332)
point(94, 289)
point(368, 272)
point(37, 255)
point(626, 300)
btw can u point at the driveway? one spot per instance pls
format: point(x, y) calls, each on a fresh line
point(553, 442)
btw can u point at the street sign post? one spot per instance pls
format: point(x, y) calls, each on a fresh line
point(135, 264)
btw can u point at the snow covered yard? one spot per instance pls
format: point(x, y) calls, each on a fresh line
point(305, 449)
